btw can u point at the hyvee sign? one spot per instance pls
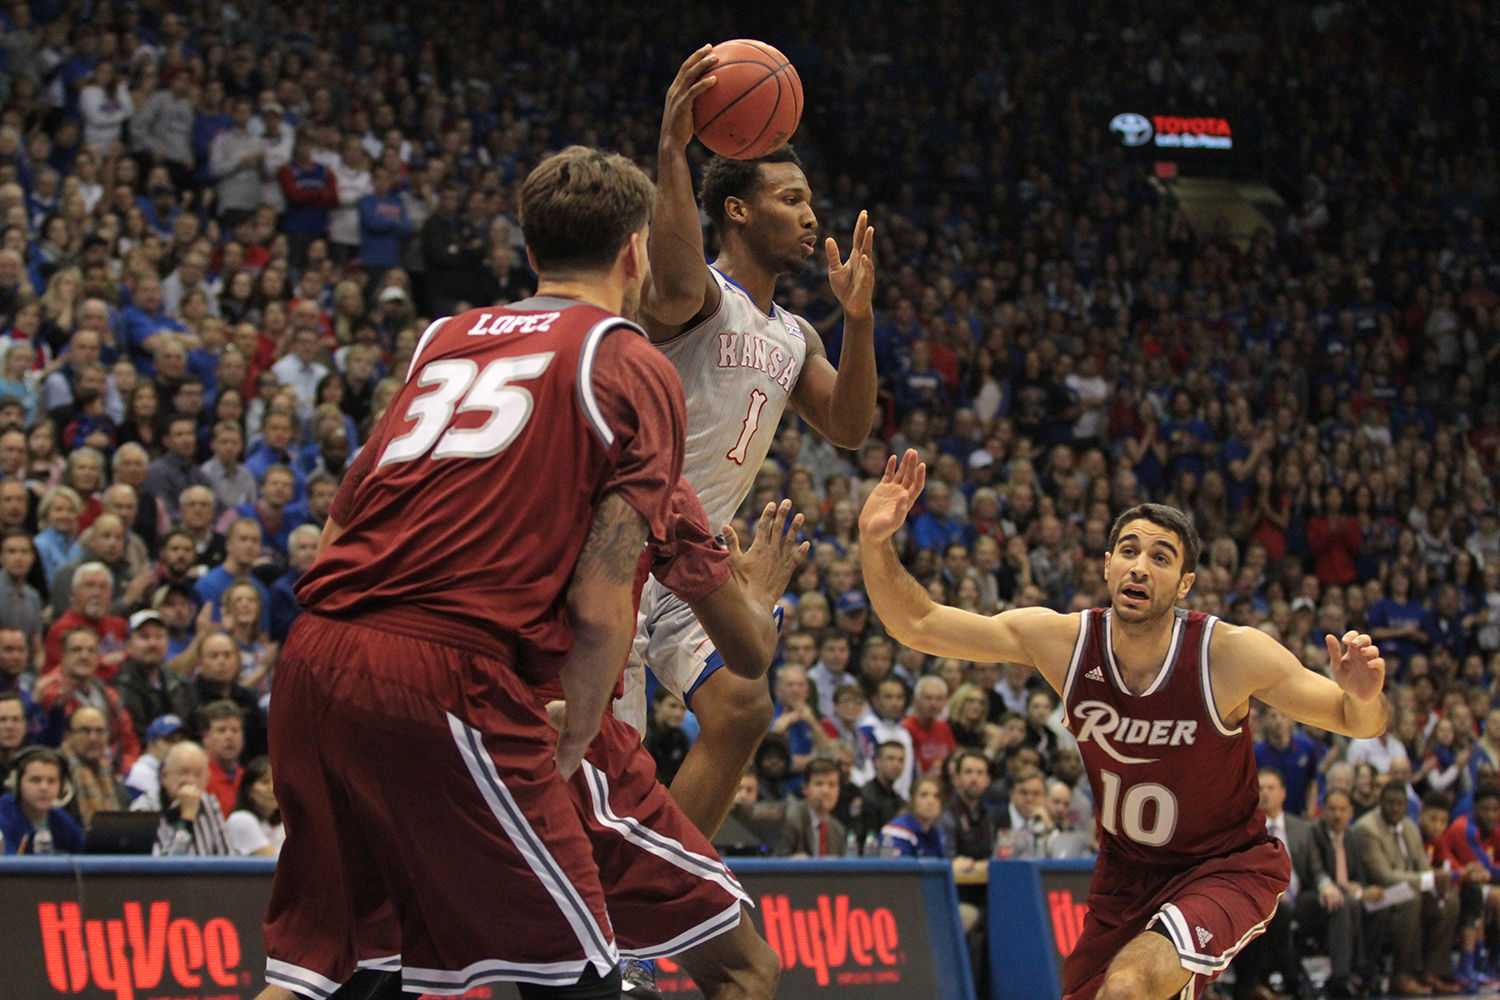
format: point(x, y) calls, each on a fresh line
point(130, 943)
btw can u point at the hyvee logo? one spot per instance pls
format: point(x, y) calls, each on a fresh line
point(830, 935)
point(135, 952)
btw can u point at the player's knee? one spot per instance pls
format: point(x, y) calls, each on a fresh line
point(1124, 984)
point(737, 708)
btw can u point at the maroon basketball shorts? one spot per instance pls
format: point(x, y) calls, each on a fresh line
point(1209, 912)
point(418, 788)
point(664, 884)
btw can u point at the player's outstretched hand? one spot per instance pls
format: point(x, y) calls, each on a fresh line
point(766, 567)
point(1357, 665)
point(691, 80)
point(853, 280)
point(893, 497)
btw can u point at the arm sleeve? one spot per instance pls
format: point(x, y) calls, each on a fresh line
point(639, 399)
point(690, 563)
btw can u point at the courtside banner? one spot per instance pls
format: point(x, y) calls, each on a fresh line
point(132, 928)
point(855, 928)
point(190, 929)
point(1044, 906)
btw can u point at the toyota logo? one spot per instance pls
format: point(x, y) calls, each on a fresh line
point(1134, 129)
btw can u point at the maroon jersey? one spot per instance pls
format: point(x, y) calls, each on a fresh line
point(1172, 784)
point(463, 516)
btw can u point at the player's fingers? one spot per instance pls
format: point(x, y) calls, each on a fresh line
point(1334, 649)
point(699, 87)
point(731, 539)
point(765, 525)
point(890, 469)
point(782, 511)
point(831, 251)
point(790, 538)
point(801, 553)
point(921, 482)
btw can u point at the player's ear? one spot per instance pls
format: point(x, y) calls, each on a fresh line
point(736, 209)
point(1107, 556)
point(531, 259)
point(1185, 584)
point(633, 256)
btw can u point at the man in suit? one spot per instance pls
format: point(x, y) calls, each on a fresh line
point(1419, 931)
point(1339, 922)
point(1023, 826)
point(1273, 950)
point(810, 829)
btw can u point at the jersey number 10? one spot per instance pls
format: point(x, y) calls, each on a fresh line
point(1129, 813)
point(463, 387)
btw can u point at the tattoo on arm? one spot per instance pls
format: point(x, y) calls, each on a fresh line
point(614, 544)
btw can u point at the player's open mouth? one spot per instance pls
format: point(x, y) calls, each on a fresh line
point(810, 242)
point(1135, 593)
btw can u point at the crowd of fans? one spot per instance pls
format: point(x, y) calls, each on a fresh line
point(221, 236)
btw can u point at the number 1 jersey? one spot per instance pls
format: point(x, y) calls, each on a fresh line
point(1172, 784)
point(738, 369)
point(463, 516)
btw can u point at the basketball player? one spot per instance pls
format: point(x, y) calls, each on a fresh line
point(415, 768)
point(1157, 698)
point(742, 358)
point(667, 892)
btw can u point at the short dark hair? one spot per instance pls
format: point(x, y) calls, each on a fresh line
point(1274, 772)
point(1432, 800)
point(216, 710)
point(1487, 792)
point(725, 178)
point(1170, 518)
point(580, 206)
point(891, 745)
point(821, 765)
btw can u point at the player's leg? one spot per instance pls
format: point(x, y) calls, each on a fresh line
point(737, 965)
point(733, 715)
point(1147, 968)
point(668, 893)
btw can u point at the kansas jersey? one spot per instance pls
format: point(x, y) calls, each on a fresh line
point(1173, 785)
point(738, 367)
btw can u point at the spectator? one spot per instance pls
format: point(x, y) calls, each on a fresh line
point(192, 822)
point(30, 820)
point(12, 731)
point(384, 224)
point(811, 830)
point(1295, 756)
point(881, 723)
point(254, 826)
point(1021, 828)
point(931, 737)
point(234, 163)
point(216, 680)
point(881, 802)
point(89, 592)
point(147, 688)
point(915, 833)
point(665, 738)
point(162, 735)
point(1419, 931)
point(95, 784)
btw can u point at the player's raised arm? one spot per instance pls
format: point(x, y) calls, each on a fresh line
point(1256, 665)
point(601, 609)
point(680, 287)
point(1036, 636)
point(840, 402)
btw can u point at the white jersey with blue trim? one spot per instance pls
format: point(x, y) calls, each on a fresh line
point(738, 369)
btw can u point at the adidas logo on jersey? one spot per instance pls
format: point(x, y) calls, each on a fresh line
point(1203, 937)
point(1094, 675)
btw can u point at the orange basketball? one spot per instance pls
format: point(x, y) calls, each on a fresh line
point(755, 104)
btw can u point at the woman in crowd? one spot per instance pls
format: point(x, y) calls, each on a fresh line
point(254, 827)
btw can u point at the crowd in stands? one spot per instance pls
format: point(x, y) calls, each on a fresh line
point(221, 236)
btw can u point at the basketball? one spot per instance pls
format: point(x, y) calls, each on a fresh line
point(755, 105)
